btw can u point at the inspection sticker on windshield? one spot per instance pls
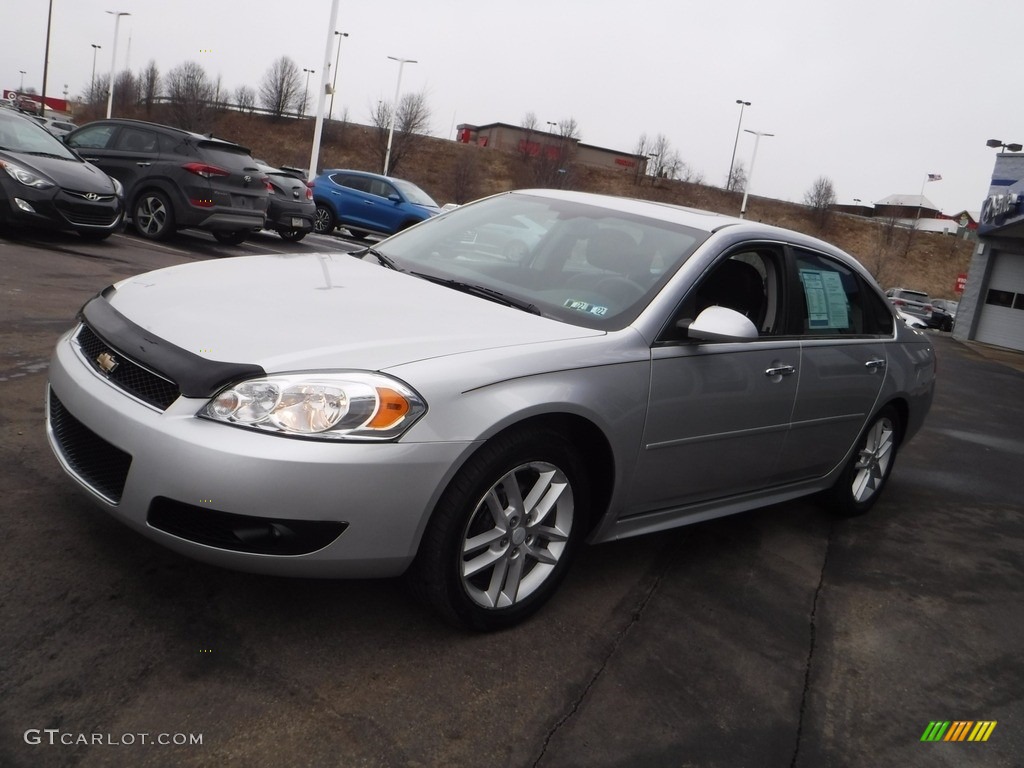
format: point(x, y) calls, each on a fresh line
point(582, 306)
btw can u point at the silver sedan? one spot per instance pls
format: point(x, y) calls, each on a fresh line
point(429, 407)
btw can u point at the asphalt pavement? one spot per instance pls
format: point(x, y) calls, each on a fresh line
point(780, 637)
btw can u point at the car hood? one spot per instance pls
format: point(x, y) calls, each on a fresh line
point(321, 311)
point(69, 174)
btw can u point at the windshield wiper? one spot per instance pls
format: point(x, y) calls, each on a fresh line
point(47, 154)
point(481, 291)
point(386, 261)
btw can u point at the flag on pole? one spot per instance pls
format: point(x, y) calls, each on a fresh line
point(934, 177)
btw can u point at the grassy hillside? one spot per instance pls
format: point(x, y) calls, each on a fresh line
point(453, 172)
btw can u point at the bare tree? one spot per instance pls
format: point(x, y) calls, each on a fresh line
point(190, 93)
point(126, 91)
point(641, 151)
point(737, 181)
point(150, 84)
point(820, 198)
point(98, 89)
point(245, 98)
point(466, 175)
point(412, 123)
point(281, 86)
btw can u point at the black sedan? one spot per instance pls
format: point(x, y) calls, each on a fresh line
point(290, 207)
point(44, 183)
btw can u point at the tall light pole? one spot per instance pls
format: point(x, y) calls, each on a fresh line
point(92, 82)
point(750, 173)
point(999, 143)
point(318, 123)
point(732, 162)
point(394, 109)
point(113, 58)
point(334, 81)
point(305, 93)
point(22, 86)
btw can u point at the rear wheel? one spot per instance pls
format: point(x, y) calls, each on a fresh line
point(231, 238)
point(292, 235)
point(503, 534)
point(324, 223)
point(153, 216)
point(862, 480)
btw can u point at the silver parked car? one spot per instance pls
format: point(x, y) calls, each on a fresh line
point(419, 407)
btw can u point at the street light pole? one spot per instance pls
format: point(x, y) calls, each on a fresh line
point(732, 162)
point(92, 82)
point(334, 82)
point(750, 173)
point(305, 93)
point(113, 58)
point(394, 109)
point(21, 87)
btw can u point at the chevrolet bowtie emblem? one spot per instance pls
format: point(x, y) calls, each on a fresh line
point(106, 361)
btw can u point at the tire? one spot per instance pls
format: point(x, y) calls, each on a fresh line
point(153, 216)
point(292, 235)
point(237, 237)
point(356, 234)
point(324, 222)
point(866, 473)
point(485, 561)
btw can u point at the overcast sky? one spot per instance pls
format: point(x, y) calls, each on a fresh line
point(873, 94)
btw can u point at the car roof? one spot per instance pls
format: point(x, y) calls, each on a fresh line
point(166, 129)
point(367, 174)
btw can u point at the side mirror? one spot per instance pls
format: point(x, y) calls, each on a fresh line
point(394, 198)
point(721, 324)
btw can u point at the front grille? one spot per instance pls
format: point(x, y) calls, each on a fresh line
point(241, 533)
point(85, 196)
point(102, 466)
point(127, 374)
point(105, 218)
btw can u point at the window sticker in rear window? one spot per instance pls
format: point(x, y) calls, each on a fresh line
point(583, 306)
point(826, 299)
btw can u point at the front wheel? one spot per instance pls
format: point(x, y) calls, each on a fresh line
point(865, 475)
point(504, 532)
point(324, 221)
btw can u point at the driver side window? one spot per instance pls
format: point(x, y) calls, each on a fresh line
point(747, 281)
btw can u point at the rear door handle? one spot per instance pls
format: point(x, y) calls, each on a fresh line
point(780, 370)
point(143, 165)
point(875, 364)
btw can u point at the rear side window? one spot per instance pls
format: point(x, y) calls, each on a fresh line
point(359, 183)
point(137, 140)
point(837, 301)
point(93, 137)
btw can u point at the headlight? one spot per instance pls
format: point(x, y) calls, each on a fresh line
point(327, 406)
point(25, 176)
point(118, 187)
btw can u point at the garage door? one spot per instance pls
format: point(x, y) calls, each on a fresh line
point(1002, 314)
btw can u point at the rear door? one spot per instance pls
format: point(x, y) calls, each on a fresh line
point(843, 325)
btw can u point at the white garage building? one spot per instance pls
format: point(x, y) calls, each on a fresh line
point(992, 305)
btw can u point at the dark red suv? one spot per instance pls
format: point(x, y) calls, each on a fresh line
point(175, 179)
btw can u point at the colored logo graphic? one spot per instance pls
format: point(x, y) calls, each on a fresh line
point(958, 730)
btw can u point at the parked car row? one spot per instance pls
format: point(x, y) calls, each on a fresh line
point(933, 313)
point(171, 179)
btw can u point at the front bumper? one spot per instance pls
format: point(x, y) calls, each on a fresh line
point(377, 496)
point(61, 209)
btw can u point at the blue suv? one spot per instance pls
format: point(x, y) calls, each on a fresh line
point(365, 203)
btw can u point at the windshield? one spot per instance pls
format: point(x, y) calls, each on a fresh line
point(19, 134)
point(414, 194)
point(580, 263)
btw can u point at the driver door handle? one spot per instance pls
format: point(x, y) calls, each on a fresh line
point(780, 370)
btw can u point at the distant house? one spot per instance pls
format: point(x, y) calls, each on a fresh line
point(514, 138)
